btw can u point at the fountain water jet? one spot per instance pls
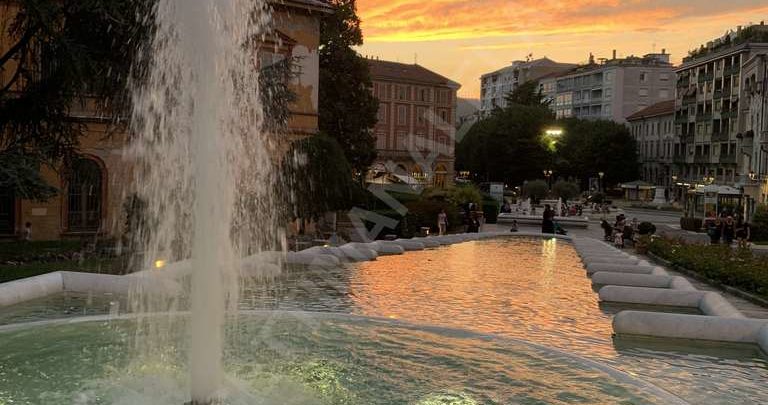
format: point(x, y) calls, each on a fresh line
point(201, 152)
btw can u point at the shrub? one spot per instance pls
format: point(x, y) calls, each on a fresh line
point(490, 210)
point(423, 213)
point(461, 195)
point(535, 189)
point(566, 190)
point(760, 224)
point(735, 268)
point(646, 228)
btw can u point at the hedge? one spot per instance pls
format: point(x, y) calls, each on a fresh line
point(738, 268)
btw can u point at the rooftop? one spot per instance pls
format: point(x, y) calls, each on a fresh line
point(527, 64)
point(396, 71)
point(661, 108)
point(756, 33)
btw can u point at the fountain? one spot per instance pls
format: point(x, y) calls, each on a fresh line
point(201, 150)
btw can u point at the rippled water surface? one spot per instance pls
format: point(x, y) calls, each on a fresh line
point(532, 290)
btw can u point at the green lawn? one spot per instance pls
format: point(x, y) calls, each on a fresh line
point(95, 265)
point(28, 253)
point(20, 251)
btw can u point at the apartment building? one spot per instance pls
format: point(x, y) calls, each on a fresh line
point(611, 89)
point(415, 133)
point(715, 113)
point(496, 85)
point(755, 79)
point(653, 128)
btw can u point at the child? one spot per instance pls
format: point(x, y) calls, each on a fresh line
point(618, 240)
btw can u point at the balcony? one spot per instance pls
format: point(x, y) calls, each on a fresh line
point(706, 77)
point(728, 159)
point(687, 100)
point(718, 94)
point(701, 159)
point(688, 139)
point(728, 114)
point(683, 119)
point(684, 82)
point(731, 70)
point(720, 136)
point(704, 117)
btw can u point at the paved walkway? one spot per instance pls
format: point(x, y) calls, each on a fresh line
point(746, 307)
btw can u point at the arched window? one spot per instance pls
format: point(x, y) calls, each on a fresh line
point(84, 196)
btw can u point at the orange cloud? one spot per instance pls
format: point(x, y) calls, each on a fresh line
point(424, 20)
point(462, 39)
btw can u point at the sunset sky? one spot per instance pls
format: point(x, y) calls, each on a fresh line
point(462, 39)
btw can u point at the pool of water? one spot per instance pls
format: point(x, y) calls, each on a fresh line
point(518, 289)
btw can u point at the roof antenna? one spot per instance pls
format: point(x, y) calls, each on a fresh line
point(415, 58)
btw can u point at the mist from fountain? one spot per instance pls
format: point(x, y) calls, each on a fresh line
point(204, 172)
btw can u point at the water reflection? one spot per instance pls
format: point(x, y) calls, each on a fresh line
point(535, 291)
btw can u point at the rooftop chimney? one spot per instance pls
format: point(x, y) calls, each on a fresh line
point(663, 51)
point(591, 59)
point(614, 54)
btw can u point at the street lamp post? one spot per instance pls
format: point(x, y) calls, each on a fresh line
point(602, 187)
point(548, 176)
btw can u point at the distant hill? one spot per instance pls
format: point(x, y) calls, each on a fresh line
point(466, 107)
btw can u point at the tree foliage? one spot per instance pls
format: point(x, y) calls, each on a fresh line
point(60, 54)
point(535, 189)
point(528, 93)
point(566, 190)
point(507, 146)
point(319, 177)
point(589, 147)
point(347, 106)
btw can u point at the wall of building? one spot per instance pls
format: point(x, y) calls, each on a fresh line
point(416, 116)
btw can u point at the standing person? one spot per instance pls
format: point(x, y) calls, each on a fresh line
point(548, 220)
point(743, 235)
point(26, 234)
point(714, 230)
point(442, 222)
point(729, 230)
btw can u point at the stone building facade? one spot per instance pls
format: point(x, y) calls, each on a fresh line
point(415, 133)
point(91, 197)
point(712, 109)
point(653, 128)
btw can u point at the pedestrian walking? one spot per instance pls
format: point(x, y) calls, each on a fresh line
point(442, 222)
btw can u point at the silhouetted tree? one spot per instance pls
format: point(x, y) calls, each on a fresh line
point(347, 106)
point(59, 54)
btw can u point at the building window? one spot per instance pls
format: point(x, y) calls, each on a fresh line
point(643, 92)
point(381, 141)
point(444, 117)
point(421, 114)
point(664, 94)
point(424, 94)
point(401, 141)
point(84, 196)
point(401, 92)
point(644, 77)
point(664, 77)
point(382, 114)
point(402, 115)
